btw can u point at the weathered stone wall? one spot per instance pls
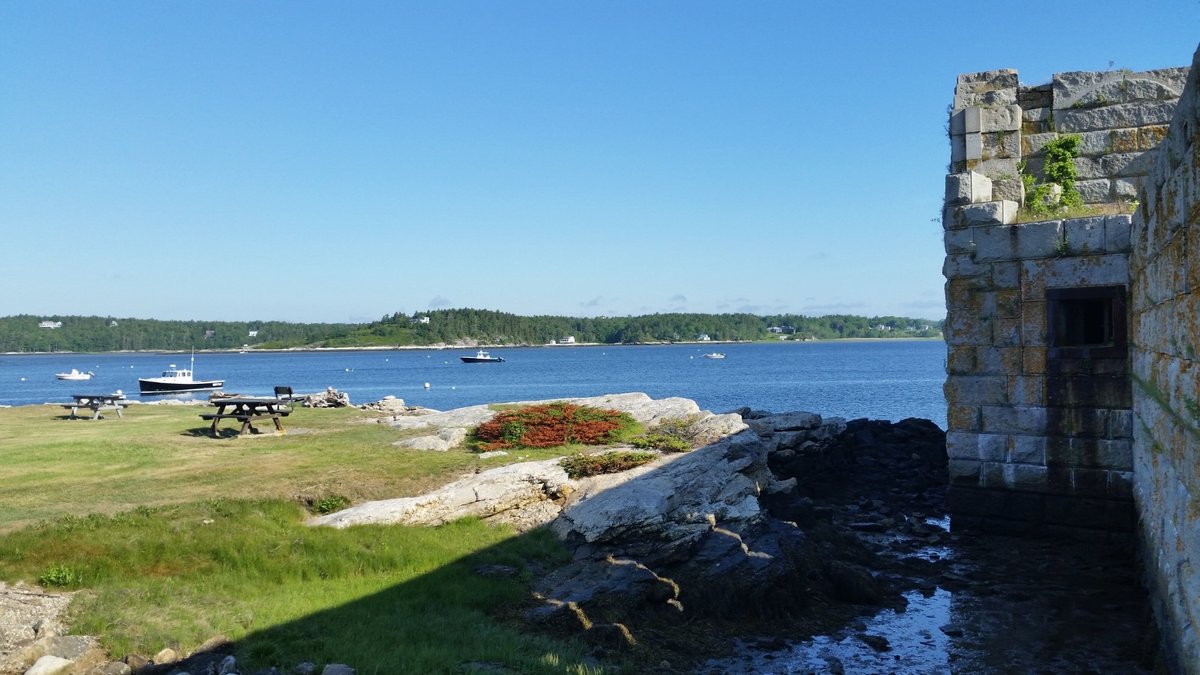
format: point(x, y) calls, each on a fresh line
point(996, 125)
point(1165, 324)
point(1073, 381)
point(1040, 421)
point(1037, 442)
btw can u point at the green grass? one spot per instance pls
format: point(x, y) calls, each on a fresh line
point(173, 537)
point(158, 455)
point(1025, 215)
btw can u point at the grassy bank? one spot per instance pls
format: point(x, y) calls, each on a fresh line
point(174, 537)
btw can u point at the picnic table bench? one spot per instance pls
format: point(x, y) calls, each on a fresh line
point(285, 394)
point(97, 403)
point(247, 411)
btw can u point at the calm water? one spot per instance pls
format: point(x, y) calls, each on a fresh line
point(881, 379)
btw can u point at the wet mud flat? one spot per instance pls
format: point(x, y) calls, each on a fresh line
point(952, 602)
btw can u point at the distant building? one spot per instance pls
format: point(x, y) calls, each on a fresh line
point(50, 324)
point(112, 324)
point(703, 337)
point(568, 340)
point(422, 319)
point(253, 333)
point(209, 334)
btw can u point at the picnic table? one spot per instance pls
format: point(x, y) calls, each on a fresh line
point(96, 403)
point(247, 411)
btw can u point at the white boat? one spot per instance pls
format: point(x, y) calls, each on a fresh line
point(481, 357)
point(714, 355)
point(75, 375)
point(175, 379)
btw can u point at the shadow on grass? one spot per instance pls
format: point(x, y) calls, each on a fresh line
point(470, 610)
point(465, 616)
point(467, 613)
point(228, 432)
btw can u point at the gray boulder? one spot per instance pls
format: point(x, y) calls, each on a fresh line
point(464, 418)
point(388, 404)
point(443, 440)
point(672, 501)
point(685, 534)
point(523, 487)
point(50, 665)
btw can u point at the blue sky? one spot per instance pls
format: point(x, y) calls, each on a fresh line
point(339, 161)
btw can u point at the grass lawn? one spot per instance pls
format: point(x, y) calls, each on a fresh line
point(175, 537)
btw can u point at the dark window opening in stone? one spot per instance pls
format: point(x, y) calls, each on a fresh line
point(1086, 318)
point(1083, 323)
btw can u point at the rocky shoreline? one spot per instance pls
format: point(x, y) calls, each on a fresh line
point(774, 528)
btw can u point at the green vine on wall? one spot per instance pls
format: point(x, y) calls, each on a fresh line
point(1059, 169)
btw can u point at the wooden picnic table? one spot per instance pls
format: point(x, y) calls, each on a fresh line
point(96, 403)
point(248, 410)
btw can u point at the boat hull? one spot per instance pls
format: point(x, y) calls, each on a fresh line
point(75, 375)
point(151, 386)
point(476, 359)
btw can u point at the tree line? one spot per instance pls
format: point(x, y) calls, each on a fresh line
point(27, 333)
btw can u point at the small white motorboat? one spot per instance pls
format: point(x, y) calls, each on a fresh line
point(714, 355)
point(75, 375)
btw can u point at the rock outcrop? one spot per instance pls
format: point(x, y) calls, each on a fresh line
point(728, 530)
point(689, 534)
point(389, 405)
point(526, 494)
point(330, 398)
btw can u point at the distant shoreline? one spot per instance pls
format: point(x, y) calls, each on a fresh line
point(383, 348)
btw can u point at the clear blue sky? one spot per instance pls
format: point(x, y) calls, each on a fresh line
point(347, 160)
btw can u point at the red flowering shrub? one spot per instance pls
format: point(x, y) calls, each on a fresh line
point(550, 425)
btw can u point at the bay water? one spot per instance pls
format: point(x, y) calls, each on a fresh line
point(879, 379)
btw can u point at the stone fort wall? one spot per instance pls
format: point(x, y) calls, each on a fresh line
point(1072, 374)
point(1040, 431)
point(1164, 265)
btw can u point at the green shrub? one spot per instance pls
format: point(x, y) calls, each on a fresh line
point(579, 466)
point(661, 442)
point(330, 503)
point(61, 576)
point(670, 435)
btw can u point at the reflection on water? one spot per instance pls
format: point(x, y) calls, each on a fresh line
point(906, 642)
point(989, 605)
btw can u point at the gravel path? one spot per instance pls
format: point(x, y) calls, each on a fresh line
point(24, 607)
